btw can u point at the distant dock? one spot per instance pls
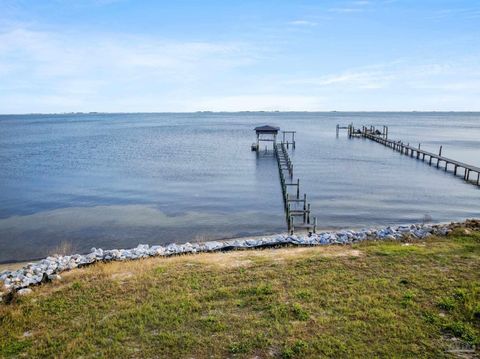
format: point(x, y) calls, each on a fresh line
point(418, 153)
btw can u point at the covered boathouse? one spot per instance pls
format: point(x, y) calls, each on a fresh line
point(265, 133)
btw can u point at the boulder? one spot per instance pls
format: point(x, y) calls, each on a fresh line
point(24, 291)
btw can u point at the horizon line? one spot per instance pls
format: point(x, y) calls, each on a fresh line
point(242, 111)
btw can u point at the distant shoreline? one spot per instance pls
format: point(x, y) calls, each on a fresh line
point(230, 112)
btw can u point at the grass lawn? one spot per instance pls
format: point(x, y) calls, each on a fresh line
point(375, 299)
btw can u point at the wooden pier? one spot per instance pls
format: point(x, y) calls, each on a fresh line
point(438, 160)
point(297, 209)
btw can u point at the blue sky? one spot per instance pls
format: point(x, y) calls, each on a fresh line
point(189, 55)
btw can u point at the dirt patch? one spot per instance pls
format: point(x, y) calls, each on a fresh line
point(245, 258)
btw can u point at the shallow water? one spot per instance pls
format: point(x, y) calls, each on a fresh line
point(116, 180)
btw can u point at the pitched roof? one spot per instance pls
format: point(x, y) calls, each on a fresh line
point(267, 128)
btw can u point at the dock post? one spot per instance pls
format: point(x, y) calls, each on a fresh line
point(298, 188)
point(439, 154)
point(314, 224)
point(304, 207)
point(338, 129)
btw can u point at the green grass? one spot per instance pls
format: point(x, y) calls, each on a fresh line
point(376, 299)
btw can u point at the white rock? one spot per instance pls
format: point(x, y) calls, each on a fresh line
point(251, 242)
point(211, 246)
point(24, 291)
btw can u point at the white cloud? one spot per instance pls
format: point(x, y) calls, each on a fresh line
point(303, 23)
point(361, 2)
point(407, 74)
point(360, 6)
point(345, 9)
point(53, 54)
point(68, 72)
point(466, 13)
point(43, 71)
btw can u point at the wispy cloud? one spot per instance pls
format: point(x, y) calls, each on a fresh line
point(452, 76)
point(360, 6)
point(66, 70)
point(352, 7)
point(466, 13)
point(303, 23)
point(361, 2)
point(345, 9)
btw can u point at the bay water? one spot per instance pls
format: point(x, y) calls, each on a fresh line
point(117, 180)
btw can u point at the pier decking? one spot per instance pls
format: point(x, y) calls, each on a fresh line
point(381, 137)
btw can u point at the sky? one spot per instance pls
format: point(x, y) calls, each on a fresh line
point(205, 55)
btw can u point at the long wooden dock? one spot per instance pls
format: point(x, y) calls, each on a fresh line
point(381, 137)
point(297, 209)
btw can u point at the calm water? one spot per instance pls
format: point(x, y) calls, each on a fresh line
point(119, 180)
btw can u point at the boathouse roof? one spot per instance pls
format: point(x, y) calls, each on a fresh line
point(267, 129)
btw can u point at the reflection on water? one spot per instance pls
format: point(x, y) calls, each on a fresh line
point(118, 180)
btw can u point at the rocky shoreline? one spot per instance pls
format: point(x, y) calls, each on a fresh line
point(48, 269)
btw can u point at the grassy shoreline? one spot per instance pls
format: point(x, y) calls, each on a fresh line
point(418, 299)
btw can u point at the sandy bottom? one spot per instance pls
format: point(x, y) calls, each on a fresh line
point(12, 266)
